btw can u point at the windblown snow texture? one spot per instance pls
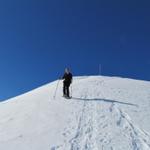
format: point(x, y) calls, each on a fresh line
point(105, 113)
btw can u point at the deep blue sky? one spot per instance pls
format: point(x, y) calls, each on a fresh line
point(39, 38)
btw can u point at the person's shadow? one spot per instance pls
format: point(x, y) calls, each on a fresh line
point(104, 100)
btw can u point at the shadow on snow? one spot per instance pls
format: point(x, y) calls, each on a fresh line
point(104, 100)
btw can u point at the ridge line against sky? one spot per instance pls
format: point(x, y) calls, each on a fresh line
point(38, 39)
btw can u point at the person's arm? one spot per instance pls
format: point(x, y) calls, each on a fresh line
point(71, 78)
point(63, 76)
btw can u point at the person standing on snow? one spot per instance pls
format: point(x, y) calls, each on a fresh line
point(67, 80)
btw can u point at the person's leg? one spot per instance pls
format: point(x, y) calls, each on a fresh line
point(67, 90)
point(64, 89)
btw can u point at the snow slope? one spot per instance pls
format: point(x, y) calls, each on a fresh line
point(105, 113)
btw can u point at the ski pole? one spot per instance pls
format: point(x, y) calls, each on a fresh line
point(56, 89)
point(71, 90)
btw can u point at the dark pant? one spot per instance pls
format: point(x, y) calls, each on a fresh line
point(66, 89)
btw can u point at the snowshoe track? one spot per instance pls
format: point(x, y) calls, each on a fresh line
point(102, 123)
point(94, 130)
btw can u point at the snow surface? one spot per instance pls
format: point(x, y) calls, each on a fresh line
point(105, 113)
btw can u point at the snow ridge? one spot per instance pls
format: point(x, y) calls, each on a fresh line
point(105, 113)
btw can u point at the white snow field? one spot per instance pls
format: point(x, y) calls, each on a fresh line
point(105, 113)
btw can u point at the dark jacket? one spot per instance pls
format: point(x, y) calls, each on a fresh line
point(67, 78)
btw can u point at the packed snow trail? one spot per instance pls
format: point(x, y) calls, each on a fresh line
point(105, 113)
point(94, 130)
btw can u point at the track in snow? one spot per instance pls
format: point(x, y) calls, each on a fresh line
point(102, 115)
point(101, 124)
point(94, 130)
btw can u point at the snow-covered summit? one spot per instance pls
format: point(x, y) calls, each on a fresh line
point(105, 113)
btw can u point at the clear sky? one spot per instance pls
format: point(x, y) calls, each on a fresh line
point(39, 38)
